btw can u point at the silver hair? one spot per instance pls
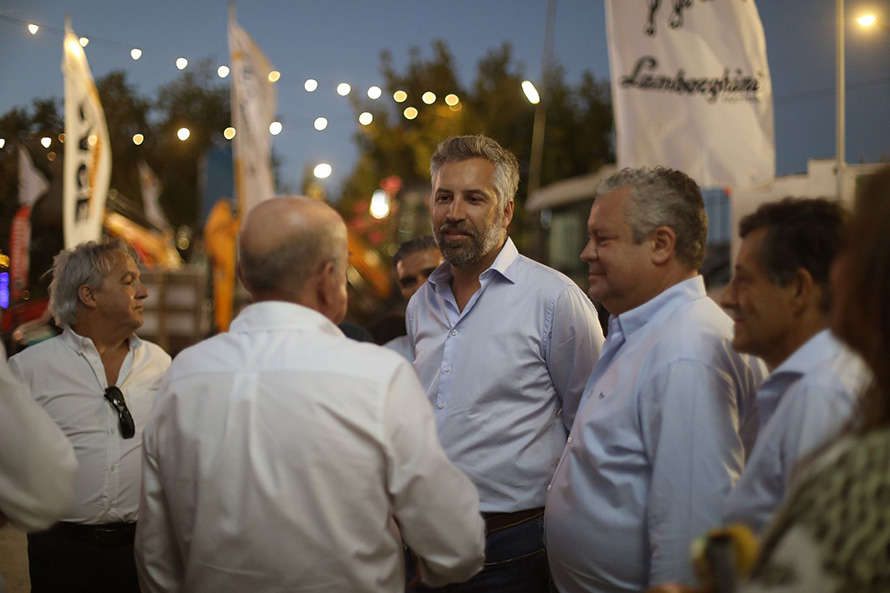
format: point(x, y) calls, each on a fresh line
point(86, 264)
point(663, 197)
point(462, 148)
point(287, 267)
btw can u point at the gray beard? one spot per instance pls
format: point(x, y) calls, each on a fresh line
point(460, 255)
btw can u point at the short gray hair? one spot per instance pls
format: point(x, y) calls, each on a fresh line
point(286, 268)
point(87, 264)
point(664, 197)
point(463, 148)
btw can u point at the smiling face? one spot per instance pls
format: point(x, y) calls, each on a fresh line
point(468, 223)
point(119, 299)
point(618, 267)
point(760, 309)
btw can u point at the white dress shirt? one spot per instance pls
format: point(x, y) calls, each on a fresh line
point(655, 447)
point(276, 456)
point(66, 377)
point(505, 375)
point(803, 404)
point(37, 463)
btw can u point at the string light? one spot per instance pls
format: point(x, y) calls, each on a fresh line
point(410, 112)
point(429, 98)
point(84, 41)
point(183, 134)
point(343, 89)
point(229, 133)
point(274, 75)
point(222, 71)
point(322, 171)
point(135, 53)
point(46, 141)
point(374, 93)
point(320, 123)
point(181, 63)
point(310, 85)
point(365, 118)
point(33, 28)
point(2, 142)
point(451, 100)
point(275, 128)
point(400, 96)
point(138, 139)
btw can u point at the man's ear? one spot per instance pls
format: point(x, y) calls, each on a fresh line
point(326, 286)
point(508, 213)
point(86, 296)
point(664, 239)
point(805, 291)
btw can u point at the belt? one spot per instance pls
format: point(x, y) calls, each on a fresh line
point(108, 535)
point(498, 521)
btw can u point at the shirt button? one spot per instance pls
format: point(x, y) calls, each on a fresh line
point(440, 405)
point(549, 486)
point(454, 332)
point(569, 440)
point(447, 369)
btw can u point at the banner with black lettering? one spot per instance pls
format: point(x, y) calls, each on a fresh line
point(691, 89)
point(254, 103)
point(87, 170)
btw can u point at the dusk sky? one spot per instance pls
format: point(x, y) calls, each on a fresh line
point(337, 41)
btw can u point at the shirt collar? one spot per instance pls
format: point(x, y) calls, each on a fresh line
point(814, 351)
point(281, 315)
point(502, 264)
point(77, 342)
point(635, 319)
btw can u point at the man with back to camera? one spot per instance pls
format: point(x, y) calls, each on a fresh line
point(779, 299)
point(278, 453)
point(503, 347)
point(414, 261)
point(668, 413)
point(98, 381)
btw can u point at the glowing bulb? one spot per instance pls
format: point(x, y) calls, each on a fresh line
point(92, 139)
point(322, 171)
point(138, 139)
point(46, 141)
point(183, 134)
point(400, 96)
point(33, 29)
point(222, 71)
point(310, 85)
point(229, 133)
point(429, 98)
point(379, 207)
point(2, 142)
point(135, 53)
point(410, 113)
point(320, 123)
point(181, 63)
point(62, 137)
point(275, 128)
point(531, 93)
point(274, 75)
point(451, 100)
point(365, 118)
point(867, 20)
point(50, 156)
point(374, 92)
point(343, 89)
point(84, 41)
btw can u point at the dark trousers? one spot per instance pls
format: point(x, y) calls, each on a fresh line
point(66, 559)
point(515, 562)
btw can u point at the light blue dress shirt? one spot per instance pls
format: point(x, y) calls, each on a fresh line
point(803, 403)
point(655, 447)
point(505, 375)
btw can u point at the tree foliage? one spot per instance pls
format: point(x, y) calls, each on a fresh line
point(578, 136)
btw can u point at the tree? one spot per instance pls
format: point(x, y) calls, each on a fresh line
point(577, 140)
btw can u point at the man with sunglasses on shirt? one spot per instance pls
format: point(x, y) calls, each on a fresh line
point(98, 381)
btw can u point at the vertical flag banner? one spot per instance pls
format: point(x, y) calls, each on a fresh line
point(151, 193)
point(87, 170)
point(691, 89)
point(32, 186)
point(254, 104)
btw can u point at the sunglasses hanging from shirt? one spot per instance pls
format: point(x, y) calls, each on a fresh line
point(116, 399)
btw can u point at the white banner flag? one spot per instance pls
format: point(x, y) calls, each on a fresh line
point(151, 193)
point(87, 169)
point(254, 103)
point(691, 89)
point(32, 183)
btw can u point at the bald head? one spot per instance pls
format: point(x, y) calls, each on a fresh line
point(287, 246)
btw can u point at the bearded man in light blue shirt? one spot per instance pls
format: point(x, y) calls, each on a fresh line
point(779, 299)
point(503, 347)
point(668, 413)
